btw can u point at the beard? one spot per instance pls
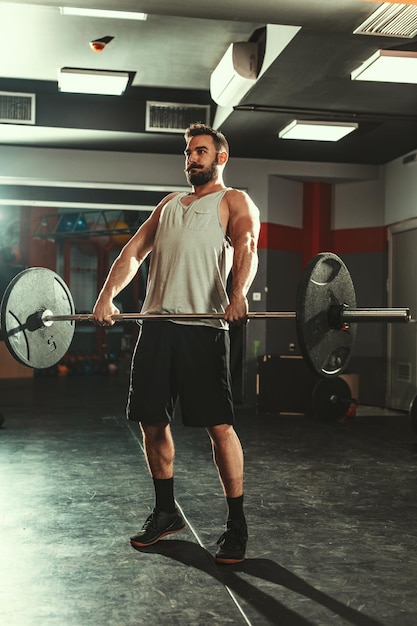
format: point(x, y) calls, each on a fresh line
point(199, 177)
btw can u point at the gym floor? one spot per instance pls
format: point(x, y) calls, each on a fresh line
point(331, 510)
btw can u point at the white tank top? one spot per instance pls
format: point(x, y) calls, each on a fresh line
point(190, 261)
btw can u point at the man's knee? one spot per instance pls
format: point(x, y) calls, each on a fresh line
point(153, 433)
point(220, 432)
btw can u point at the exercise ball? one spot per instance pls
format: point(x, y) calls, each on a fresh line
point(123, 238)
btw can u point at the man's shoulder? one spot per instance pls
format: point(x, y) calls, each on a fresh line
point(239, 202)
point(168, 198)
point(234, 195)
point(172, 195)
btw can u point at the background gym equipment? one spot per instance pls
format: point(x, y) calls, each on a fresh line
point(331, 399)
point(326, 315)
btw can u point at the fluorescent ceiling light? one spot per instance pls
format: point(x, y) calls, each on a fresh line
point(121, 15)
point(317, 131)
point(389, 66)
point(92, 81)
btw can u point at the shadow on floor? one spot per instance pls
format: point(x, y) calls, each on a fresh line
point(193, 555)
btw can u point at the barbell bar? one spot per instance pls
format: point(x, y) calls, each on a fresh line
point(326, 316)
point(341, 317)
point(48, 317)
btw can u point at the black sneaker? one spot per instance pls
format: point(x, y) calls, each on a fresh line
point(158, 525)
point(233, 543)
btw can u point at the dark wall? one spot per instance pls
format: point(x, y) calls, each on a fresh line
point(7, 272)
point(369, 359)
point(283, 275)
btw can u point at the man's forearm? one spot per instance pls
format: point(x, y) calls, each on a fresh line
point(245, 265)
point(121, 273)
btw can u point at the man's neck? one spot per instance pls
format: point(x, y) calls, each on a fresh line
point(211, 187)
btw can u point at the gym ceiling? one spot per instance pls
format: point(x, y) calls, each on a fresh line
point(170, 58)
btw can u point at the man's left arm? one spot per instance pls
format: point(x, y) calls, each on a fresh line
point(243, 230)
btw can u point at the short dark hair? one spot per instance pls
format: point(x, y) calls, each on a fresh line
point(219, 139)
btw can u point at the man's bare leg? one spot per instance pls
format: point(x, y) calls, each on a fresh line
point(159, 450)
point(228, 457)
point(165, 518)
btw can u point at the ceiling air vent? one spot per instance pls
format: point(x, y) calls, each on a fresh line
point(391, 20)
point(17, 108)
point(171, 117)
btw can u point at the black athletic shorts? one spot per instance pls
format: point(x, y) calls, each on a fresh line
point(189, 363)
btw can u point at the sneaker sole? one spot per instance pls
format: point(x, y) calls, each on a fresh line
point(225, 561)
point(139, 544)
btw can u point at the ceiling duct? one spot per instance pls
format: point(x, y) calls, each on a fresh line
point(235, 74)
point(270, 41)
point(17, 108)
point(173, 117)
point(392, 20)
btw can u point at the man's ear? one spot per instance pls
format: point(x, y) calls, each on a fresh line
point(222, 157)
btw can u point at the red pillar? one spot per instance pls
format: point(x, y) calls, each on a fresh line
point(36, 251)
point(317, 206)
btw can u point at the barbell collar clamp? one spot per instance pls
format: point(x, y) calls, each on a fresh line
point(45, 317)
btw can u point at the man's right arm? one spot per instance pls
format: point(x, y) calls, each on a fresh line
point(126, 266)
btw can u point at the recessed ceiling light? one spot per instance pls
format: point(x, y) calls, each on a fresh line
point(388, 66)
point(121, 15)
point(317, 131)
point(92, 81)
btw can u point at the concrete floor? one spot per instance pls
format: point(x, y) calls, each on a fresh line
point(331, 510)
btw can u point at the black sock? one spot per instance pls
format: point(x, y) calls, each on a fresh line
point(235, 508)
point(164, 494)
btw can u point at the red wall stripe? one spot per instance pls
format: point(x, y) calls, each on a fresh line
point(278, 237)
point(359, 240)
point(344, 241)
point(34, 251)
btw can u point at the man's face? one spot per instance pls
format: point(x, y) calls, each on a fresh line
point(201, 160)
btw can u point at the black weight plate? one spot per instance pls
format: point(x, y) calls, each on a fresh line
point(30, 342)
point(326, 281)
point(331, 399)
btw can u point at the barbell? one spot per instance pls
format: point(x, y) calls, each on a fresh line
point(37, 316)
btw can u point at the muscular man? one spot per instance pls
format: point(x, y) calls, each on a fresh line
point(195, 240)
